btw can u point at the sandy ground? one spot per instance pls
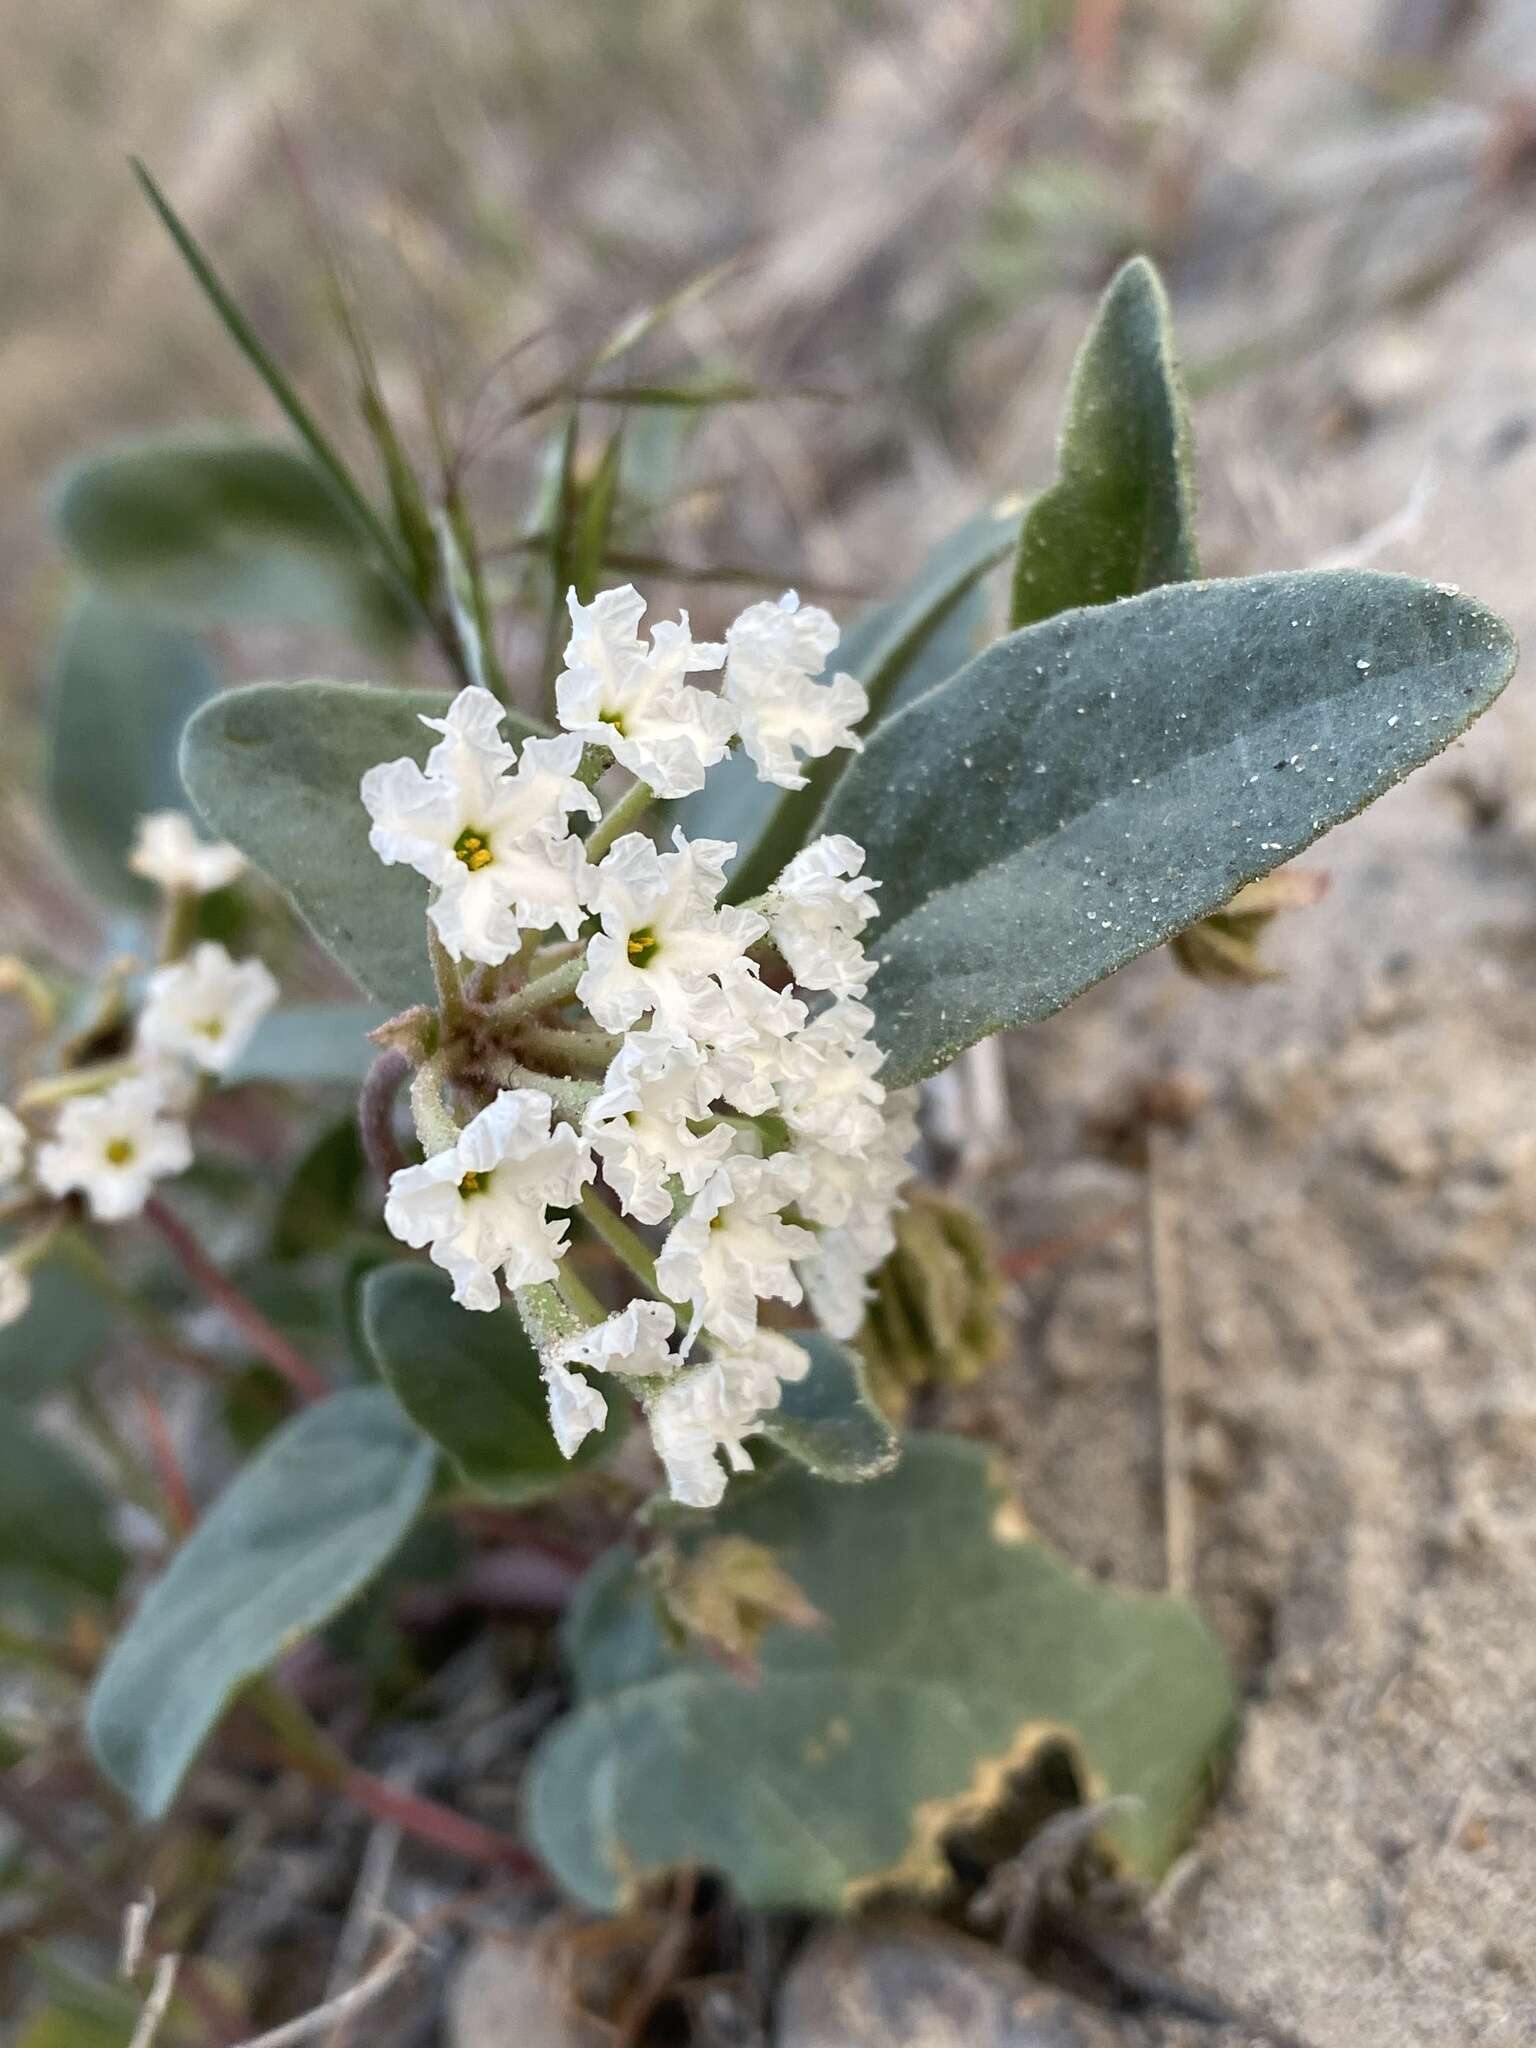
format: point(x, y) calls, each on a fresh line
point(1339, 1344)
point(1345, 1342)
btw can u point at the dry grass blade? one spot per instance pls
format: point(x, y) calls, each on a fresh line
point(310, 2026)
point(158, 2003)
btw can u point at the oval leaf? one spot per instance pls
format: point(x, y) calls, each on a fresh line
point(1121, 517)
point(827, 1421)
point(955, 1648)
point(274, 768)
point(1088, 787)
point(472, 1382)
point(225, 529)
point(305, 1525)
point(121, 691)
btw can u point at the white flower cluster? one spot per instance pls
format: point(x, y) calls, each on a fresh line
point(111, 1144)
point(741, 1113)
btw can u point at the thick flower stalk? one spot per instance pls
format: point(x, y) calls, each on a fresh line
point(695, 1081)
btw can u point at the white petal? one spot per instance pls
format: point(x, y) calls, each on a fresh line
point(634, 1340)
point(776, 652)
point(206, 1007)
point(167, 851)
point(575, 1408)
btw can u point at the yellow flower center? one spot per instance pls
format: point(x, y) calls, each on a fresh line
point(120, 1151)
point(473, 1184)
point(473, 849)
point(643, 947)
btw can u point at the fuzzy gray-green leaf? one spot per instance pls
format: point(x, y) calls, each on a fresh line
point(275, 769)
point(827, 1421)
point(954, 1649)
point(122, 688)
point(1120, 519)
point(224, 530)
point(305, 1525)
point(1089, 786)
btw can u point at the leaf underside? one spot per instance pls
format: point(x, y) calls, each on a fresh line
point(1091, 785)
point(304, 1526)
point(954, 1649)
point(827, 1422)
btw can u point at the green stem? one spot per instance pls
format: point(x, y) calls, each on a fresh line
point(591, 1049)
point(617, 819)
point(544, 993)
point(580, 1295)
point(86, 1080)
point(448, 983)
point(623, 1242)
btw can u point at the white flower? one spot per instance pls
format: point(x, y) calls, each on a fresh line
point(733, 1247)
point(205, 1007)
point(113, 1147)
point(836, 1275)
point(776, 651)
point(496, 845)
point(639, 1125)
point(575, 1408)
point(167, 851)
point(13, 1144)
point(616, 693)
point(837, 1101)
point(664, 942)
point(713, 1408)
point(816, 910)
point(756, 1042)
point(15, 1292)
point(632, 1341)
point(482, 1205)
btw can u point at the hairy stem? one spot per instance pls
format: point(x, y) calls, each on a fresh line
point(266, 1340)
point(436, 1125)
point(376, 1114)
point(593, 1050)
point(626, 811)
point(545, 992)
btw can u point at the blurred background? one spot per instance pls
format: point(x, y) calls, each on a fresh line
point(897, 215)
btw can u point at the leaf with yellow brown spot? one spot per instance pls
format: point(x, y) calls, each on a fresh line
point(955, 1647)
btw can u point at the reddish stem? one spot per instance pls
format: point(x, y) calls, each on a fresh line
point(272, 1345)
point(376, 1114)
point(440, 1825)
point(173, 1481)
